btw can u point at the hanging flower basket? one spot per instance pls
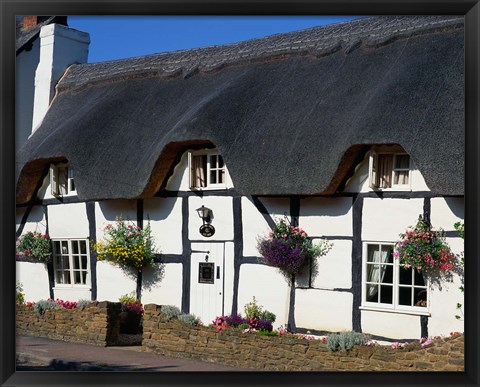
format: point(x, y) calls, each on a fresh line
point(289, 248)
point(35, 245)
point(127, 245)
point(424, 249)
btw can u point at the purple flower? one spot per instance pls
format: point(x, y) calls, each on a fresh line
point(235, 320)
point(279, 253)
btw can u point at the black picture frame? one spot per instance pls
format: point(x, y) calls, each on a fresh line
point(10, 8)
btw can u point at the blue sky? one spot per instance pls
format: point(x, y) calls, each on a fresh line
point(117, 37)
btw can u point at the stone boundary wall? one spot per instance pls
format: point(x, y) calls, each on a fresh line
point(97, 323)
point(288, 353)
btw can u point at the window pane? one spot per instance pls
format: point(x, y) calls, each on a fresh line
point(213, 161)
point(384, 171)
point(66, 263)
point(199, 168)
point(75, 247)
point(67, 277)
point(213, 177)
point(405, 296)
point(387, 254)
point(58, 261)
point(386, 274)
point(406, 276)
point(56, 246)
point(372, 293)
point(59, 276)
point(420, 297)
point(77, 277)
point(402, 161)
point(83, 247)
point(221, 177)
point(419, 280)
point(84, 263)
point(386, 294)
point(373, 253)
point(84, 277)
point(220, 161)
point(76, 263)
point(400, 177)
point(64, 247)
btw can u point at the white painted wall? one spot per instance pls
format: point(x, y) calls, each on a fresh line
point(222, 208)
point(326, 216)
point(60, 47)
point(165, 216)
point(323, 310)
point(34, 280)
point(392, 325)
point(68, 221)
point(269, 288)
point(334, 270)
point(384, 219)
point(113, 282)
point(163, 286)
point(25, 66)
point(445, 212)
point(36, 220)
point(254, 225)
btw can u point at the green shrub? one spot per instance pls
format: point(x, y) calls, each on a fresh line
point(267, 315)
point(345, 340)
point(128, 298)
point(189, 319)
point(43, 305)
point(83, 303)
point(169, 312)
point(19, 296)
point(243, 326)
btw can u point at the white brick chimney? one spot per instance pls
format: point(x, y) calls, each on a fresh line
point(60, 47)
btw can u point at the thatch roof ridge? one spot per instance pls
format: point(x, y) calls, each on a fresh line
point(317, 41)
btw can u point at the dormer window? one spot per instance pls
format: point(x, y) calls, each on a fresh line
point(207, 170)
point(389, 171)
point(62, 181)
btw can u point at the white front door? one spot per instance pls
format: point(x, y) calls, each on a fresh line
point(207, 280)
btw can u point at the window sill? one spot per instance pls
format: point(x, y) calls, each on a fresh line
point(72, 287)
point(208, 188)
point(396, 311)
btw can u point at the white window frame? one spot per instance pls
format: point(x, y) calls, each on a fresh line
point(70, 188)
point(209, 185)
point(71, 269)
point(395, 305)
point(372, 173)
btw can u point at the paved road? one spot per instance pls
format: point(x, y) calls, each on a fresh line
point(41, 354)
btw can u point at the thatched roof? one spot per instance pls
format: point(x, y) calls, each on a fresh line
point(288, 112)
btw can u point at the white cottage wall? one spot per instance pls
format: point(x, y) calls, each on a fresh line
point(326, 216)
point(163, 286)
point(68, 221)
point(36, 220)
point(334, 270)
point(323, 310)
point(106, 212)
point(165, 215)
point(253, 226)
point(34, 279)
point(391, 325)
point(384, 219)
point(222, 208)
point(269, 288)
point(113, 282)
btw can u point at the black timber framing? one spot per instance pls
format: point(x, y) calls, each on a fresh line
point(92, 231)
point(50, 269)
point(186, 251)
point(357, 262)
